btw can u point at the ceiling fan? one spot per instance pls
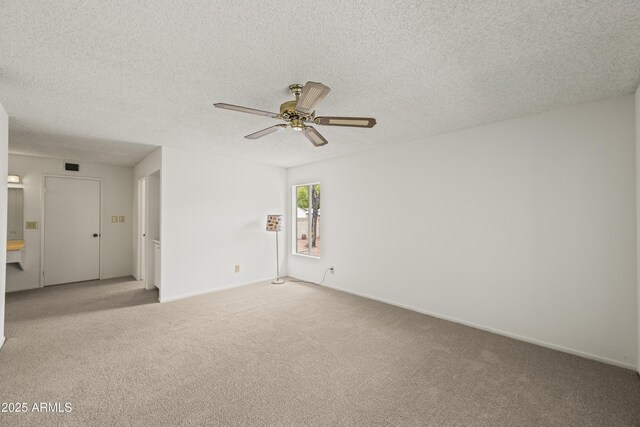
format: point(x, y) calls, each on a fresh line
point(297, 113)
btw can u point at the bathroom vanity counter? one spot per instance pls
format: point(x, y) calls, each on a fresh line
point(15, 245)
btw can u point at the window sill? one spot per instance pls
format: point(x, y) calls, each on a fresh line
point(305, 255)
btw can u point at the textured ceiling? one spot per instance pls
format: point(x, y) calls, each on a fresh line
point(92, 76)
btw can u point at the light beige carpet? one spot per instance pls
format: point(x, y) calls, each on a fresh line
point(292, 354)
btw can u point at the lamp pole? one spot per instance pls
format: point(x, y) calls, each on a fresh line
point(277, 281)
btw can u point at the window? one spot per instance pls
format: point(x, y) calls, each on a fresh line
point(306, 199)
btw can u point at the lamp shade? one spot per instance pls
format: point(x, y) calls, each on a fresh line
point(274, 222)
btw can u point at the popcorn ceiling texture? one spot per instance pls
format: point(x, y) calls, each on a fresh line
point(88, 78)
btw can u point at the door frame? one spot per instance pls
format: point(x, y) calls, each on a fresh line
point(43, 222)
point(142, 229)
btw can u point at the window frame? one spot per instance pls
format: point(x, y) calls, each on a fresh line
point(294, 216)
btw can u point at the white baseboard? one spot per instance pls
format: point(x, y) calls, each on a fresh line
point(493, 330)
point(208, 291)
point(2, 340)
point(120, 276)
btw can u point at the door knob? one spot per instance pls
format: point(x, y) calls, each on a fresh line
point(95, 234)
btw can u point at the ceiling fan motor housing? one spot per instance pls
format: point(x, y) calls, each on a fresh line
point(288, 109)
point(289, 113)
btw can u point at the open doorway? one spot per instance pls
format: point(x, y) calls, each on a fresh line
point(148, 230)
point(152, 247)
point(142, 227)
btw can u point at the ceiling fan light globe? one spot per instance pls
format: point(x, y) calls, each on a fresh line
point(297, 124)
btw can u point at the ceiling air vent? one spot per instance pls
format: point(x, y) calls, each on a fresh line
point(73, 167)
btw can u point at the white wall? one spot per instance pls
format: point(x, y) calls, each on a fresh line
point(214, 213)
point(149, 165)
point(116, 200)
point(4, 143)
point(525, 227)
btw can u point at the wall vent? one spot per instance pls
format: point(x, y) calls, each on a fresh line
point(73, 167)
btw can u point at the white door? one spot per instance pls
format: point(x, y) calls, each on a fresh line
point(71, 230)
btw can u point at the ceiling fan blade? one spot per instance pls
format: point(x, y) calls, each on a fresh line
point(314, 136)
point(246, 110)
point(312, 94)
point(264, 132)
point(358, 122)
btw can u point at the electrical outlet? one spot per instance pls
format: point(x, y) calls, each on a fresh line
point(114, 218)
point(121, 218)
point(31, 225)
point(332, 270)
point(237, 268)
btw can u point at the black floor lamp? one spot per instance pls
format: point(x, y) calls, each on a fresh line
point(274, 223)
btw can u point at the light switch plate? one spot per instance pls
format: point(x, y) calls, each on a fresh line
point(121, 218)
point(31, 225)
point(114, 218)
point(237, 268)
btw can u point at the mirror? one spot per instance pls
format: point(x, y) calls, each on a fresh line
point(15, 214)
